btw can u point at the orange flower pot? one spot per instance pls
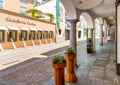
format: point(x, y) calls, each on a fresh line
point(59, 73)
point(70, 75)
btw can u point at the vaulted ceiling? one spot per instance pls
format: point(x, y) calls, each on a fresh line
point(97, 8)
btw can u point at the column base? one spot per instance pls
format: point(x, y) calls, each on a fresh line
point(118, 69)
point(76, 67)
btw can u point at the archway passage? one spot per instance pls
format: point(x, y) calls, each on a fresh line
point(88, 29)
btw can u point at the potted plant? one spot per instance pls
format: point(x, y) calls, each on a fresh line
point(70, 59)
point(58, 63)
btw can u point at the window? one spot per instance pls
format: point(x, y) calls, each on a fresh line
point(1, 36)
point(79, 34)
point(23, 35)
point(39, 35)
point(24, 1)
point(1, 4)
point(12, 36)
point(67, 34)
point(32, 35)
point(22, 9)
point(45, 36)
point(51, 34)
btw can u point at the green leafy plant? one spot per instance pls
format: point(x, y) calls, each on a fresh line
point(35, 13)
point(58, 59)
point(51, 16)
point(70, 51)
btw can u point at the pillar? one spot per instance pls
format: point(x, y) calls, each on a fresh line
point(105, 32)
point(73, 40)
point(118, 38)
point(94, 40)
point(73, 34)
point(101, 34)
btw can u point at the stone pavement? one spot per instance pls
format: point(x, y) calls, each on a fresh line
point(36, 70)
point(96, 68)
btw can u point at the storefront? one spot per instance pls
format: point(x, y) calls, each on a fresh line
point(17, 30)
point(67, 34)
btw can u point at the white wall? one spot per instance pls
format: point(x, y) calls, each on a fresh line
point(118, 34)
point(50, 7)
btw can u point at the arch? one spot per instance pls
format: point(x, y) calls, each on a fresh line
point(70, 9)
point(105, 23)
point(88, 19)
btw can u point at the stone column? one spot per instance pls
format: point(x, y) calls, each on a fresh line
point(73, 40)
point(73, 34)
point(94, 40)
point(105, 32)
point(101, 34)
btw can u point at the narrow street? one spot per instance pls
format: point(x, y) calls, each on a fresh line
point(36, 70)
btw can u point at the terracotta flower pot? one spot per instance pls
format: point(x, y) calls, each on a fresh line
point(59, 73)
point(70, 75)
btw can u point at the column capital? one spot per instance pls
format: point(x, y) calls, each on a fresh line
point(72, 20)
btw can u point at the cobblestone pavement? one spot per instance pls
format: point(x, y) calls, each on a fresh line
point(35, 71)
point(96, 68)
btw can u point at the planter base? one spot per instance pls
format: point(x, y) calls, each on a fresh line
point(71, 77)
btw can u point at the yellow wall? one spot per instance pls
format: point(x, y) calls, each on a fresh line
point(14, 5)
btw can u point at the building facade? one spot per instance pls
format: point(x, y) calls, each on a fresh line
point(17, 31)
point(18, 6)
point(50, 7)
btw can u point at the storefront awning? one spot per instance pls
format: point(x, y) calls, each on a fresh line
point(45, 29)
point(40, 29)
point(3, 28)
point(13, 28)
point(34, 29)
point(23, 28)
point(52, 29)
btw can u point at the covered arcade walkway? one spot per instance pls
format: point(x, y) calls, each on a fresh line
point(96, 68)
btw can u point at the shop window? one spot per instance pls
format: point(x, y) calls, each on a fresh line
point(67, 34)
point(79, 34)
point(23, 35)
point(24, 1)
point(12, 36)
point(45, 36)
point(1, 36)
point(1, 4)
point(32, 35)
point(39, 35)
point(60, 31)
point(22, 9)
point(51, 34)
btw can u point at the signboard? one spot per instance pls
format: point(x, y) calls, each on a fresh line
point(57, 11)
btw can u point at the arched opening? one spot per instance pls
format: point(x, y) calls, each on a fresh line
point(87, 31)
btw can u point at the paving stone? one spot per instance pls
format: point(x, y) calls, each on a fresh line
point(109, 76)
point(96, 73)
point(107, 82)
point(98, 67)
point(94, 81)
point(100, 63)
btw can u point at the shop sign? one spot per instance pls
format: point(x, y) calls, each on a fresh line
point(20, 21)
